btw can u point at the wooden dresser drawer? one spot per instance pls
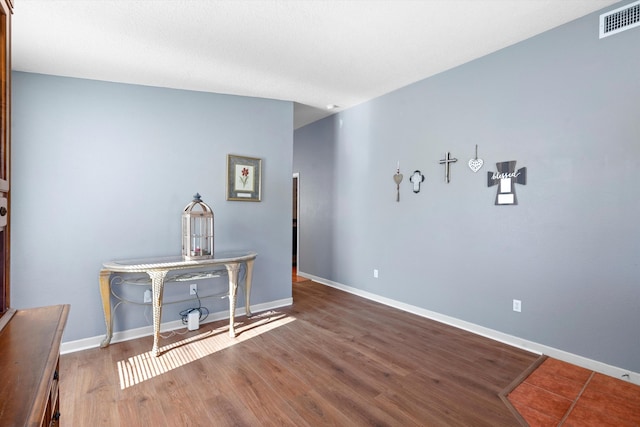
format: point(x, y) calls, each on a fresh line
point(29, 360)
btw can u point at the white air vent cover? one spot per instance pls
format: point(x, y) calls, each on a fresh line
point(619, 20)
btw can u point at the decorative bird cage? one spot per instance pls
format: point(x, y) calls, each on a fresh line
point(197, 230)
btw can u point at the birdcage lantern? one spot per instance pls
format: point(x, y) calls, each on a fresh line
point(197, 230)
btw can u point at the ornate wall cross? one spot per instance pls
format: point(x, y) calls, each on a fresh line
point(416, 179)
point(505, 178)
point(446, 161)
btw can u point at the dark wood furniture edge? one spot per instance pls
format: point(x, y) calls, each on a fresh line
point(50, 367)
point(515, 383)
point(29, 361)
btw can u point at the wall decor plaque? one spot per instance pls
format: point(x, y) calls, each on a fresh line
point(505, 179)
point(244, 178)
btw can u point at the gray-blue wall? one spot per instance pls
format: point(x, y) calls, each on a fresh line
point(566, 106)
point(102, 171)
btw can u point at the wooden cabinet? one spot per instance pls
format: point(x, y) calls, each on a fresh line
point(5, 144)
point(29, 362)
point(29, 339)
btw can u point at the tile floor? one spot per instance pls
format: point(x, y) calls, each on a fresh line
point(561, 394)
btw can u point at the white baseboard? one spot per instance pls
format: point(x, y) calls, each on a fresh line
point(512, 340)
point(130, 334)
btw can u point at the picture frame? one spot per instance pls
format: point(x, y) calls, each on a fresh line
point(244, 178)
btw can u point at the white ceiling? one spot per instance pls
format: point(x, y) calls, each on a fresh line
point(312, 52)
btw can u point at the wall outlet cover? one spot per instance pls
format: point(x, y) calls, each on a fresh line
point(517, 305)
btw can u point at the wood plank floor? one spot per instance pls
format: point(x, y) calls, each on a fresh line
point(332, 358)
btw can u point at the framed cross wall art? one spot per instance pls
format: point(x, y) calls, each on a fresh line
point(244, 178)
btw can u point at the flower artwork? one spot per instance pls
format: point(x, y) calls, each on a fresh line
point(244, 178)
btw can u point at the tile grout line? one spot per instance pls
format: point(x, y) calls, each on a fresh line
point(584, 387)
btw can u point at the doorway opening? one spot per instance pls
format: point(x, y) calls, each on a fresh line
point(295, 237)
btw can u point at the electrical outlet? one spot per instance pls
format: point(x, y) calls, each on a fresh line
point(375, 273)
point(193, 289)
point(147, 295)
point(517, 305)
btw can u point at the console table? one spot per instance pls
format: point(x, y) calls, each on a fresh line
point(157, 269)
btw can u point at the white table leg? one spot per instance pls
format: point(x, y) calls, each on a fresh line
point(105, 294)
point(232, 269)
point(247, 286)
point(157, 289)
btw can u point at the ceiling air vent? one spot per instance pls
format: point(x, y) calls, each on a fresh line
point(620, 19)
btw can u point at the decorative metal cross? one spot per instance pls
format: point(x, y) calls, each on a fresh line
point(506, 177)
point(416, 179)
point(446, 161)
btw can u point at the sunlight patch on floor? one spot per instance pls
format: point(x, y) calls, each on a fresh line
point(145, 366)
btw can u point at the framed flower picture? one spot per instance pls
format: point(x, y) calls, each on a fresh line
point(244, 178)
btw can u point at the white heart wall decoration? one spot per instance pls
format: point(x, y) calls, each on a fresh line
point(475, 164)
